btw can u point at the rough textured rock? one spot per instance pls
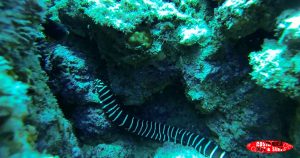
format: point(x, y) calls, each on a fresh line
point(170, 150)
point(277, 65)
point(109, 151)
point(45, 128)
point(238, 18)
point(92, 123)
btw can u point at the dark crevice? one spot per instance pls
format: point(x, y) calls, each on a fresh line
point(253, 41)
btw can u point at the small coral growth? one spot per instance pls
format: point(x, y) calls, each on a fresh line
point(140, 39)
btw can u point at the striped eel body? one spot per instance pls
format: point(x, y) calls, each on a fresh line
point(154, 130)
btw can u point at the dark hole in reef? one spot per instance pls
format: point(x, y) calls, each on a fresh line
point(292, 4)
point(150, 111)
point(214, 3)
point(287, 113)
point(253, 41)
point(244, 46)
point(240, 48)
point(54, 30)
point(167, 105)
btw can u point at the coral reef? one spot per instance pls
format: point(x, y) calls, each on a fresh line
point(16, 138)
point(72, 80)
point(70, 77)
point(238, 18)
point(109, 151)
point(148, 53)
point(227, 69)
point(92, 122)
point(32, 123)
point(277, 65)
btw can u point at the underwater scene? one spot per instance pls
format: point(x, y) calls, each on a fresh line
point(150, 79)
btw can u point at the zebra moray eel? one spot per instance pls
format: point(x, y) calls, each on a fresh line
point(68, 70)
point(154, 130)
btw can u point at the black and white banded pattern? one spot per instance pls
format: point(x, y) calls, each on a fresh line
point(155, 130)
